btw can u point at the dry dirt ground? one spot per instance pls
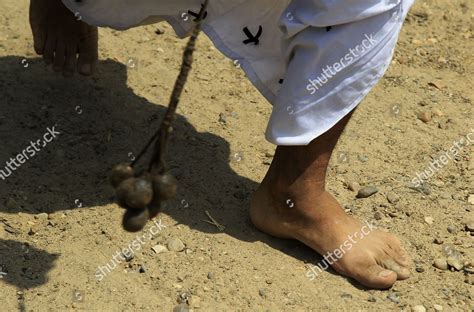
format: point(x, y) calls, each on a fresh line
point(49, 262)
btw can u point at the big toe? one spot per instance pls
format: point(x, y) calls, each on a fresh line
point(401, 271)
point(88, 52)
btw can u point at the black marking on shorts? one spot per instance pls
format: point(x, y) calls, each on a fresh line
point(251, 38)
point(281, 81)
point(328, 28)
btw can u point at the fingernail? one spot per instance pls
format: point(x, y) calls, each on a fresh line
point(385, 273)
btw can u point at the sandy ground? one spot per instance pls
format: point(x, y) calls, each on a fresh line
point(59, 223)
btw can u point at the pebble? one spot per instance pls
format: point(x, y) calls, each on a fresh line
point(418, 308)
point(437, 112)
point(159, 249)
point(372, 299)
point(346, 296)
point(394, 298)
point(425, 116)
point(159, 31)
point(451, 229)
point(353, 186)
point(470, 199)
point(11, 204)
point(33, 230)
point(182, 308)
point(262, 292)
point(469, 225)
point(420, 270)
point(269, 155)
point(429, 220)
point(363, 158)
point(210, 275)
point(160, 50)
point(142, 269)
point(438, 241)
point(456, 263)
point(222, 118)
point(469, 279)
point(392, 197)
point(175, 244)
point(42, 216)
point(378, 215)
point(367, 191)
point(437, 307)
point(441, 264)
point(194, 302)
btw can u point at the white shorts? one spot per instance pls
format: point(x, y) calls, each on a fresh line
point(314, 60)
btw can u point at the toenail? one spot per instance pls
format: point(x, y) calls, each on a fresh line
point(385, 273)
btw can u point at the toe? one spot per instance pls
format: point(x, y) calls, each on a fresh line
point(70, 59)
point(402, 272)
point(48, 53)
point(59, 57)
point(88, 52)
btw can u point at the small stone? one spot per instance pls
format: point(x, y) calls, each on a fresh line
point(393, 297)
point(445, 195)
point(372, 299)
point(160, 50)
point(33, 230)
point(418, 308)
point(469, 225)
point(194, 302)
point(262, 292)
point(440, 264)
point(470, 199)
point(363, 158)
point(128, 257)
point(159, 249)
point(222, 118)
point(346, 296)
point(142, 269)
point(269, 155)
point(392, 197)
point(469, 279)
point(378, 215)
point(42, 216)
point(210, 275)
point(159, 31)
point(367, 191)
point(429, 220)
point(175, 244)
point(437, 307)
point(353, 186)
point(425, 116)
point(182, 308)
point(420, 269)
point(438, 241)
point(11, 204)
point(456, 263)
point(437, 112)
point(451, 229)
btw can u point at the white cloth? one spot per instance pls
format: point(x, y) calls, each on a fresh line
point(315, 60)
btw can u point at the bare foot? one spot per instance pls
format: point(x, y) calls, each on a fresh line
point(59, 36)
point(292, 203)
